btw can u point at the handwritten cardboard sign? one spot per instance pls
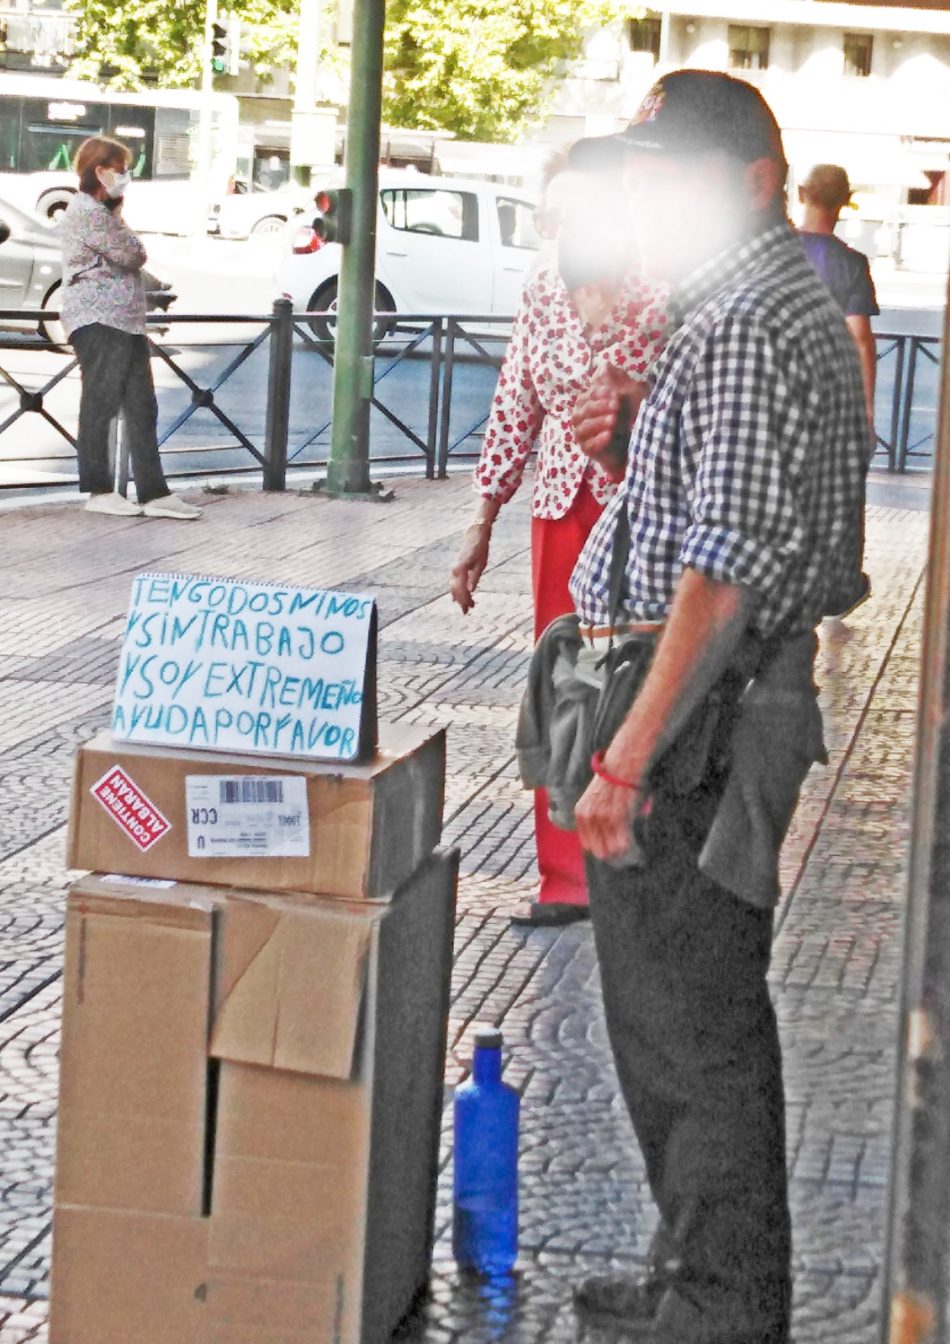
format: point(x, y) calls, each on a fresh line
point(228, 665)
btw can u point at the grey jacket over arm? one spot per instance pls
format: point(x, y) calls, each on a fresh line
point(776, 738)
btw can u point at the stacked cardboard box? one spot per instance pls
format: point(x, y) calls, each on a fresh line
point(368, 826)
point(251, 1074)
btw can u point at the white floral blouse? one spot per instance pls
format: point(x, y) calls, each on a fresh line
point(102, 269)
point(551, 358)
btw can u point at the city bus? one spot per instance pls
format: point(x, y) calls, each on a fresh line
point(43, 121)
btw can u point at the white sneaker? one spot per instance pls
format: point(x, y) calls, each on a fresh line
point(113, 503)
point(171, 506)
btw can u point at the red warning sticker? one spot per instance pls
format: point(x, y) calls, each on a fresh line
point(130, 809)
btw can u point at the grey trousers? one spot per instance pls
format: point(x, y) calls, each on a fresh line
point(683, 965)
point(116, 376)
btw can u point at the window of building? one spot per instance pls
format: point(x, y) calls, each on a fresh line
point(857, 54)
point(644, 35)
point(748, 47)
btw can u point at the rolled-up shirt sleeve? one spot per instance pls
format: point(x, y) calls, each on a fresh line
point(741, 421)
point(515, 419)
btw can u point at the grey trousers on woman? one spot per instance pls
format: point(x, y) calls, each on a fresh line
point(116, 376)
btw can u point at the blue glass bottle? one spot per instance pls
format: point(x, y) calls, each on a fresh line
point(485, 1224)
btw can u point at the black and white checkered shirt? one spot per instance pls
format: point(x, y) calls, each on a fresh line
point(748, 459)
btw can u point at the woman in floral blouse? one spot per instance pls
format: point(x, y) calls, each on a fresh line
point(103, 311)
point(581, 313)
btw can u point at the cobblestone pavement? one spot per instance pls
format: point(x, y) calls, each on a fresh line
point(837, 951)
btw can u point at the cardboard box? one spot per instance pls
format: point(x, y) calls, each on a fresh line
point(292, 1198)
point(134, 1086)
point(260, 823)
point(138, 1278)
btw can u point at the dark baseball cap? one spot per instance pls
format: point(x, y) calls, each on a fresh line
point(691, 112)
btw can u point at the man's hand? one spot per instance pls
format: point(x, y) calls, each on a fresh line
point(470, 565)
point(596, 411)
point(604, 817)
point(703, 630)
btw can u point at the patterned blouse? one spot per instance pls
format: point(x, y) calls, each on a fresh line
point(102, 269)
point(551, 358)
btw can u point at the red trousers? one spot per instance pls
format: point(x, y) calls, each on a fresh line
point(556, 544)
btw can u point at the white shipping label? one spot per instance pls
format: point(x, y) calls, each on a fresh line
point(247, 816)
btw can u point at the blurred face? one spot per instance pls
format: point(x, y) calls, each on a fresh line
point(687, 209)
point(586, 215)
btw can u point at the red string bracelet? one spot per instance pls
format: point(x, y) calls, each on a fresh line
point(598, 767)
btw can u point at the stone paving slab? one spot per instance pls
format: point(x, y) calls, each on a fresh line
point(836, 960)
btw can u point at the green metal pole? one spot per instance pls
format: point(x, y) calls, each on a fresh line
point(348, 469)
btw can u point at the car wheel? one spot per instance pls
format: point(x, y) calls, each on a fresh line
point(52, 330)
point(52, 204)
point(269, 227)
point(323, 304)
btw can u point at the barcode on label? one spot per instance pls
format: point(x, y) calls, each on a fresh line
point(251, 791)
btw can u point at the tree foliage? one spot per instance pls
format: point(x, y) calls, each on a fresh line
point(481, 68)
point(134, 43)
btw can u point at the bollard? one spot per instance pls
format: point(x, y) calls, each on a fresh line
point(435, 382)
point(277, 427)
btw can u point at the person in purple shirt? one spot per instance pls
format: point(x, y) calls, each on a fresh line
point(824, 194)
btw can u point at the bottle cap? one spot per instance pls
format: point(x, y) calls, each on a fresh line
point(488, 1038)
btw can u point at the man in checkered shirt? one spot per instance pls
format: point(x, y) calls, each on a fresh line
point(745, 494)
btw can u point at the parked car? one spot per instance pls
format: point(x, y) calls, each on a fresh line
point(256, 212)
point(443, 245)
point(31, 274)
point(31, 268)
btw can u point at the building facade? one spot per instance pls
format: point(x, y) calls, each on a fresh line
point(864, 85)
point(36, 37)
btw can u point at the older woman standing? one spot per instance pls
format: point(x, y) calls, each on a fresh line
point(580, 314)
point(103, 312)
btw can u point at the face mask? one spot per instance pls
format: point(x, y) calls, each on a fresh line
point(117, 186)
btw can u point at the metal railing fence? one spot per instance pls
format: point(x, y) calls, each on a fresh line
point(252, 394)
point(906, 418)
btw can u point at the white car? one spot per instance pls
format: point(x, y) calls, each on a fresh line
point(257, 212)
point(443, 245)
point(31, 269)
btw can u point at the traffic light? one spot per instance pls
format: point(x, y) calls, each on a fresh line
point(334, 223)
point(226, 45)
point(220, 46)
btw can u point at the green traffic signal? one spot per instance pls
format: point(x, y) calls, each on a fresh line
point(220, 54)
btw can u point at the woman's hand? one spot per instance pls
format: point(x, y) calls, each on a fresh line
point(470, 565)
point(596, 413)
